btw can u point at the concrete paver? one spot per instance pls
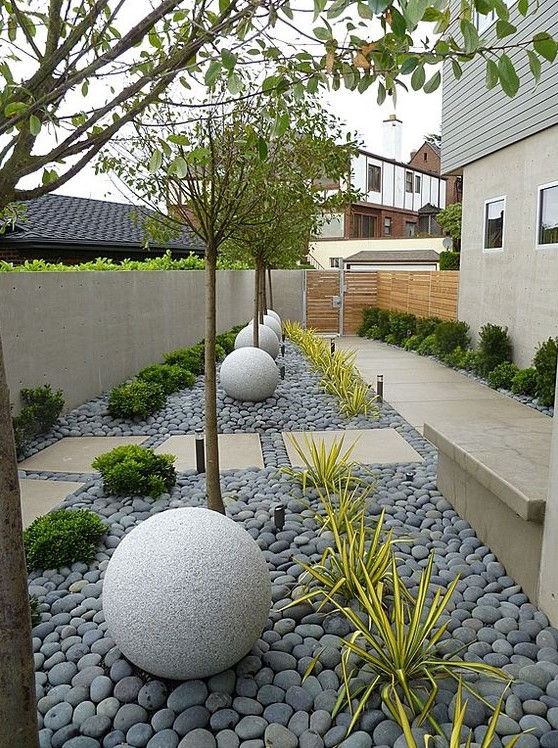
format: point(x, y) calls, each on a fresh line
point(74, 454)
point(370, 445)
point(39, 496)
point(236, 451)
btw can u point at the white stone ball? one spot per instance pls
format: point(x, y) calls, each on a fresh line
point(186, 594)
point(274, 315)
point(249, 374)
point(268, 340)
point(272, 322)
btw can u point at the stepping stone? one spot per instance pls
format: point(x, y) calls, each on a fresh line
point(371, 445)
point(236, 451)
point(39, 496)
point(74, 454)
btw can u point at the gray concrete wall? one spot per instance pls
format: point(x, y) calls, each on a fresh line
point(517, 285)
point(87, 332)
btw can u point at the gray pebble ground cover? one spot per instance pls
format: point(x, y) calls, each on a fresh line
point(89, 696)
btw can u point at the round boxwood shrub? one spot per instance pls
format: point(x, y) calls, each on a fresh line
point(502, 376)
point(136, 399)
point(132, 469)
point(451, 335)
point(171, 377)
point(494, 348)
point(61, 538)
point(525, 382)
point(188, 358)
point(427, 347)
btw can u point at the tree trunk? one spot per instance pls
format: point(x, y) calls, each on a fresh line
point(264, 290)
point(213, 484)
point(18, 705)
point(256, 319)
point(270, 287)
point(261, 287)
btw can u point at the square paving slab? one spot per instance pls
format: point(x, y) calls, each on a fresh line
point(39, 496)
point(371, 445)
point(74, 454)
point(236, 451)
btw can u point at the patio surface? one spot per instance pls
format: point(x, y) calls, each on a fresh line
point(236, 451)
point(39, 496)
point(74, 454)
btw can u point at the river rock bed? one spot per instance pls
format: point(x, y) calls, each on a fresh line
point(90, 696)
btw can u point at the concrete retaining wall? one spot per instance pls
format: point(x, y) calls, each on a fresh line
point(86, 332)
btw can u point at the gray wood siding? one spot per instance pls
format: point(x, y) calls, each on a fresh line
point(476, 121)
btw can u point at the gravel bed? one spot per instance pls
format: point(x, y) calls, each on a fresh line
point(90, 696)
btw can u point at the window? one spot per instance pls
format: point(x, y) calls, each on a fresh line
point(425, 156)
point(408, 181)
point(417, 183)
point(410, 228)
point(364, 226)
point(374, 178)
point(494, 223)
point(335, 262)
point(547, 229)
point(387, 226)
point(482, 22)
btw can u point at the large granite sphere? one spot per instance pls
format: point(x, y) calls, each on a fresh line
point(268, 340)
point(186, 593)
point(273, 314)
point(275, 326)
point(249, 374)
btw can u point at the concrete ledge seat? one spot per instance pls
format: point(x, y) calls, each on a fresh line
point(497, 479)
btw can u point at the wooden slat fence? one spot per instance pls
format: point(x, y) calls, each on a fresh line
point(321, 287)
point(424, 293)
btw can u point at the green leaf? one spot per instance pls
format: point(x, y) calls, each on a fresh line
point(378, 6)
point(408, 65)
point(319, 7)
point(323, 34)
point(179, 167)
point(523, 7)
point(364, 12)
point(228, 59)
point(534, 64)
point(504, 28)
point(382, 93)
point(414, 11)
point(492, 75)
point(212, 73)
point(456, 69)
point(545, 46)
point(337, 7)
point(179, 139)
point(223, 5)
point(154, 39)
point(16, 107)
point(433, 83)
point(234, 84)
point(85, 88)
point(269, 83)
point(49, 176)
point(398, 23)
point(508, 77)
point(470, 36)
point(418, 78)
point(155, 161)
point(34, 125)
point(262, 148)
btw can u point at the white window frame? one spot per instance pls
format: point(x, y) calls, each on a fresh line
point(408, 174)
point(495, 199)
point(418, 183)
point(540, 189)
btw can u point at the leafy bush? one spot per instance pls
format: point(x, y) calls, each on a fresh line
point(402, 326)
point(525, 382)
point(545, 364)
point(426, 326)
point(428, 346)
point(42, 408)
point(188, 358)
point(502, 376)
point(456, 359)
point(170, 377)
point(384, 323)
point(471, 360)
point(451, 335)
point(136, 399)
point(494, 348)
point(391, 339)
point(61, 538)
point(132, 469)
point(449, 260)
point(412, 343)
point(369, 319)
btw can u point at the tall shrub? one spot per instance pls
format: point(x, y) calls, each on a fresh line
point(451, 335)
point(494, 348)
point(545, 364)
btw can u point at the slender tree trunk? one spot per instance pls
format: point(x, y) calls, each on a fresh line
point(18, 705)
point(213, 484)
point(261, 302)
point(270, 287)
point(264, 290)
point(256, 319)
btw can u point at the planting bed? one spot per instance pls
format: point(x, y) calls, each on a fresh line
point(89, 696)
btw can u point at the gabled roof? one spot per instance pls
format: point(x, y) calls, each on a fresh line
point(428, 209)
point(395, 255)
point(83, 223)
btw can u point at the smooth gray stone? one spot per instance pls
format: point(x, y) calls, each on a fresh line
point(251, 727)
point(186, 695)
point(96, 726)
point(279, 713)
point(163, 719)
point(164, 739)
point(224, 719)
point(227, 739)
point(190, 719)
point(58, 716)
point(278, 736)
point(127, 689)
point(357, 740)
point(536, 725)
point(198, 738)
point(139, 735)
point(128, 715)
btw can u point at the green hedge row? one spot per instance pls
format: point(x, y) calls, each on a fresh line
point(450, 342)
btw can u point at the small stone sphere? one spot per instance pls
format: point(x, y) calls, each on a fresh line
point(273, 314)
point(268, 340)
point(186, 593)
point(249, 374)
point(272, 322)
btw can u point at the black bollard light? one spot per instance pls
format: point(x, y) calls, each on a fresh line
point(200, 453)
point(380, 387)
point(283, 337)
point(283, 350)
point(279, 516)
point(332, 346)
point(282, 372)
point(409, 476)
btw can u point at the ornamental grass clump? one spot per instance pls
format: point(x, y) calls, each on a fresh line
point(61, 538)
point(324, 466)
point(132, 469)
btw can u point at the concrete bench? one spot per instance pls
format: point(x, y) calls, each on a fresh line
point(496, 477)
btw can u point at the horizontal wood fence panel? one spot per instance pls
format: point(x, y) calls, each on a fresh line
point(361, 290)
point(321, 287)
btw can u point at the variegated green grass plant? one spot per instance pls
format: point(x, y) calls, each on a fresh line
point(396, 647)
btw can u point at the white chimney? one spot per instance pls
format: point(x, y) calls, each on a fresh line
point(393, 133)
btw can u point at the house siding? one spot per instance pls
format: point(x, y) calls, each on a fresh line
point(476, 121)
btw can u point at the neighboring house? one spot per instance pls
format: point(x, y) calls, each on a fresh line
point(403, 259)
point(428, 158)
point(59, 228)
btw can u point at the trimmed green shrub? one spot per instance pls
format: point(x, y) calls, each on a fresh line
point(502, 375)
point(42, 408)
point(525, 382)
point(471, 360)
point(456, 359)
point(545, 364)
point(384, 323)
point(35, 612)
point(402, 326)
point(412, 343)
point(451, 335)
point(428, 346)
point(188, 358)
point(132, 469)
point(369, 319)
point(171, 377)
point(494, 348)
point(61, 538)
point(226, 339)
point(426, 326)
point(136, 399)
point(449, 260)
point(220, 352)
